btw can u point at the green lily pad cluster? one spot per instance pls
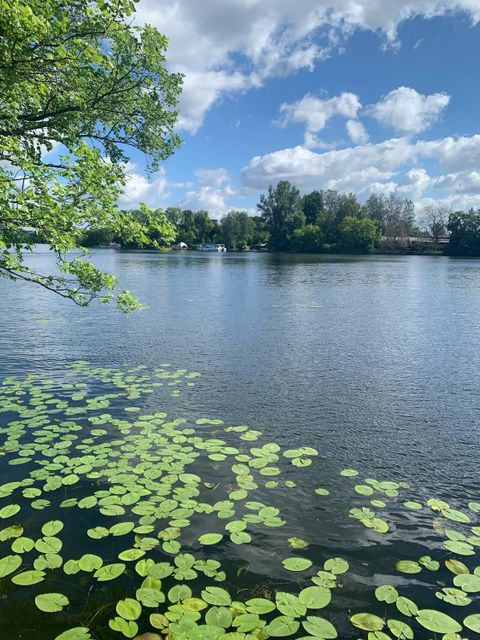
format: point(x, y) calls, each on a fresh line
point(157, 520)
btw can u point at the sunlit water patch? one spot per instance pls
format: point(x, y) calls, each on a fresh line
point(116, 521)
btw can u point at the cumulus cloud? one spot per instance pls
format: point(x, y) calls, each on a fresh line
point(391, 165)
point(212, 199)
point(315, 112)
point(154, 192)
point(407, 111)
point(213, 177)
point(270, 37)
point(357, 132)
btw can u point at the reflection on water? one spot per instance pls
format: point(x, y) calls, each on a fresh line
point(93, 464)
point(374, 360)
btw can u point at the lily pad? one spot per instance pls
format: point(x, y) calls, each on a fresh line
point(297, 564)
point(51, 602)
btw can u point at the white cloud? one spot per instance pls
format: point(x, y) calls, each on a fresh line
point(272, 38)
point(213, 177)
point(213, 199)
point(357, 132)
point(417, 182)
point(154, 193)
point(390, 165)
point(407, 111)
point(315, 112)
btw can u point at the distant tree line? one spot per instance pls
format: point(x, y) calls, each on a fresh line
point(320, 221)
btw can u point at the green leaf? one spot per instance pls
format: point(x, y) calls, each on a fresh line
point(51, 602)
point(410, 504)
point(319, 628)
point(9, 564)
point(315, 597)
point(455, 515)
point(386, 593)
point(367, 622)
point(289, 605)
point(210, 538)
point(408, 566)
point(461, 548)
point(90, 562)
point(22, 545)
point(77, 633)
point(130, 555)
point(400, 629)
point(437, 621)
point(129, 609)
point(9, 511)
point(472, 622)
point(216, 596)
point(259, 606)
point(297, 564)
point(28, 578)
point(282, 627)
point(109, 572)
point(52, 527)
point(406, 606)
point(336, 566)
point(467, 582)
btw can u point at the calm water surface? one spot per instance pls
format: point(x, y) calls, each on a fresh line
point(374, 361)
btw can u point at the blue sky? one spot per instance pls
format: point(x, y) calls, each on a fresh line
point(357, 95)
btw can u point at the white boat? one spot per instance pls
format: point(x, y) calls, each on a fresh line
point(218, 248)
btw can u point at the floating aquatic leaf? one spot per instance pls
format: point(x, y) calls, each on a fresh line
point(130, 555)
point(210, 538)
point(461, 548)
point(51, 602)
point(411, 504)
point(408, 566)
point(9, 564)
point(282, 627)
point(109, 572)
point(437, 621)
point(315, 597)
point(216, 596)
point(367, 622)
point(128, 628)
point(456, 567)
point(27, 578)
point(289, 605)
point(363, 489)
point(297, 564)
point(454, 596)
point(240, 537)
point(406, 606)
point(472, 622)
point(400, 629)
point(467, 582)
point(129, 609)
point(386, 593)
point(428, 563)
point(9, 511)
point(259, 606)
point(297, 543)
point(455, 515)
point(22, 545)
point(319, 628)
point(336, 566)
point(349, 473)
point(76, 633)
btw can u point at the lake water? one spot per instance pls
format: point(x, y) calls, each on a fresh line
point(373, 361)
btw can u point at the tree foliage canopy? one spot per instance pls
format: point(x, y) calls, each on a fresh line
point(82, 85)
point(464, 228)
